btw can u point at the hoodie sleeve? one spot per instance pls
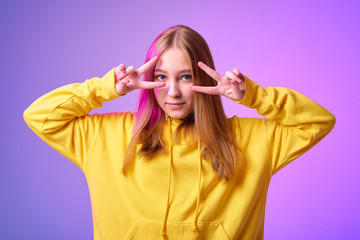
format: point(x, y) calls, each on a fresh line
point(295, 123)
point(61, 117)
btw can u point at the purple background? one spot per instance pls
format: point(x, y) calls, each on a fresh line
point(310, 46)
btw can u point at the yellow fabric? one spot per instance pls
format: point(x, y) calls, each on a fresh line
point(170, 143)
point(132, 207)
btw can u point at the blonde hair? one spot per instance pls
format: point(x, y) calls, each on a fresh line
point(208, 122)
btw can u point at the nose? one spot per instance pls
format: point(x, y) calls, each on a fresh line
point(174, 90)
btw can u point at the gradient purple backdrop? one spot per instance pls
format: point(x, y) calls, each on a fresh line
point(310, 46)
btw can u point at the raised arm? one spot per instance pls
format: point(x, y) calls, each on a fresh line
point(61, 117)
point(294, 123)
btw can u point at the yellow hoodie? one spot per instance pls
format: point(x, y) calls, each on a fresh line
point(176, 195)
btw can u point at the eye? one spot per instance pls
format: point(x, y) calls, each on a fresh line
point(186, 77)
point(160, 77)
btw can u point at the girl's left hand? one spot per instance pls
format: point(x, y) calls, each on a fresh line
point(232, 85)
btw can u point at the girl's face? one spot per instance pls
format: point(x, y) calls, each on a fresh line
point(176, 99)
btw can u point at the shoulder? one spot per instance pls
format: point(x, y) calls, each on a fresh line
point(250, 126)
point(236, 122)
point(113, 119)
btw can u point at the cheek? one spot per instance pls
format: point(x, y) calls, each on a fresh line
point(189, 93)
point(159, 93)
point(156, 92)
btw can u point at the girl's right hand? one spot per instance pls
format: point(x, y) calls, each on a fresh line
point(128, 79)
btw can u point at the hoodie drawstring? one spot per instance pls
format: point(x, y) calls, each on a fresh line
point(195, 230)
point(163, 234)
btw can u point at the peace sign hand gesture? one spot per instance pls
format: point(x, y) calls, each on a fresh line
point(232, 85)
point(128, 79)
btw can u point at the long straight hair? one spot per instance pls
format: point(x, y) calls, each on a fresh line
point(208, 122)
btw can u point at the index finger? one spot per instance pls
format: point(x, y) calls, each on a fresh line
point(149, 85)
point(211, 72)
point(147, 65)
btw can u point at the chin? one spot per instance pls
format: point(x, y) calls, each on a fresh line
point(178, 115)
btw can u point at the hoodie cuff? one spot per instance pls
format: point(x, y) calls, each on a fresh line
point(255, 96)
point(108, 82)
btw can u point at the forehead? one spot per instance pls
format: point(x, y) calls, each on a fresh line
point(173, 59)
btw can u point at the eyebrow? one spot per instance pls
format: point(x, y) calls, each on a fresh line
point(181, 71)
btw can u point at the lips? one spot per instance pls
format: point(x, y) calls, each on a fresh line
point(175, 105)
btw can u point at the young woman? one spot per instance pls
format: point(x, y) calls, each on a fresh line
point(178, 168)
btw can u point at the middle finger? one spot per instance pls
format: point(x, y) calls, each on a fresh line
point(211, 72)
point(147, 65)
